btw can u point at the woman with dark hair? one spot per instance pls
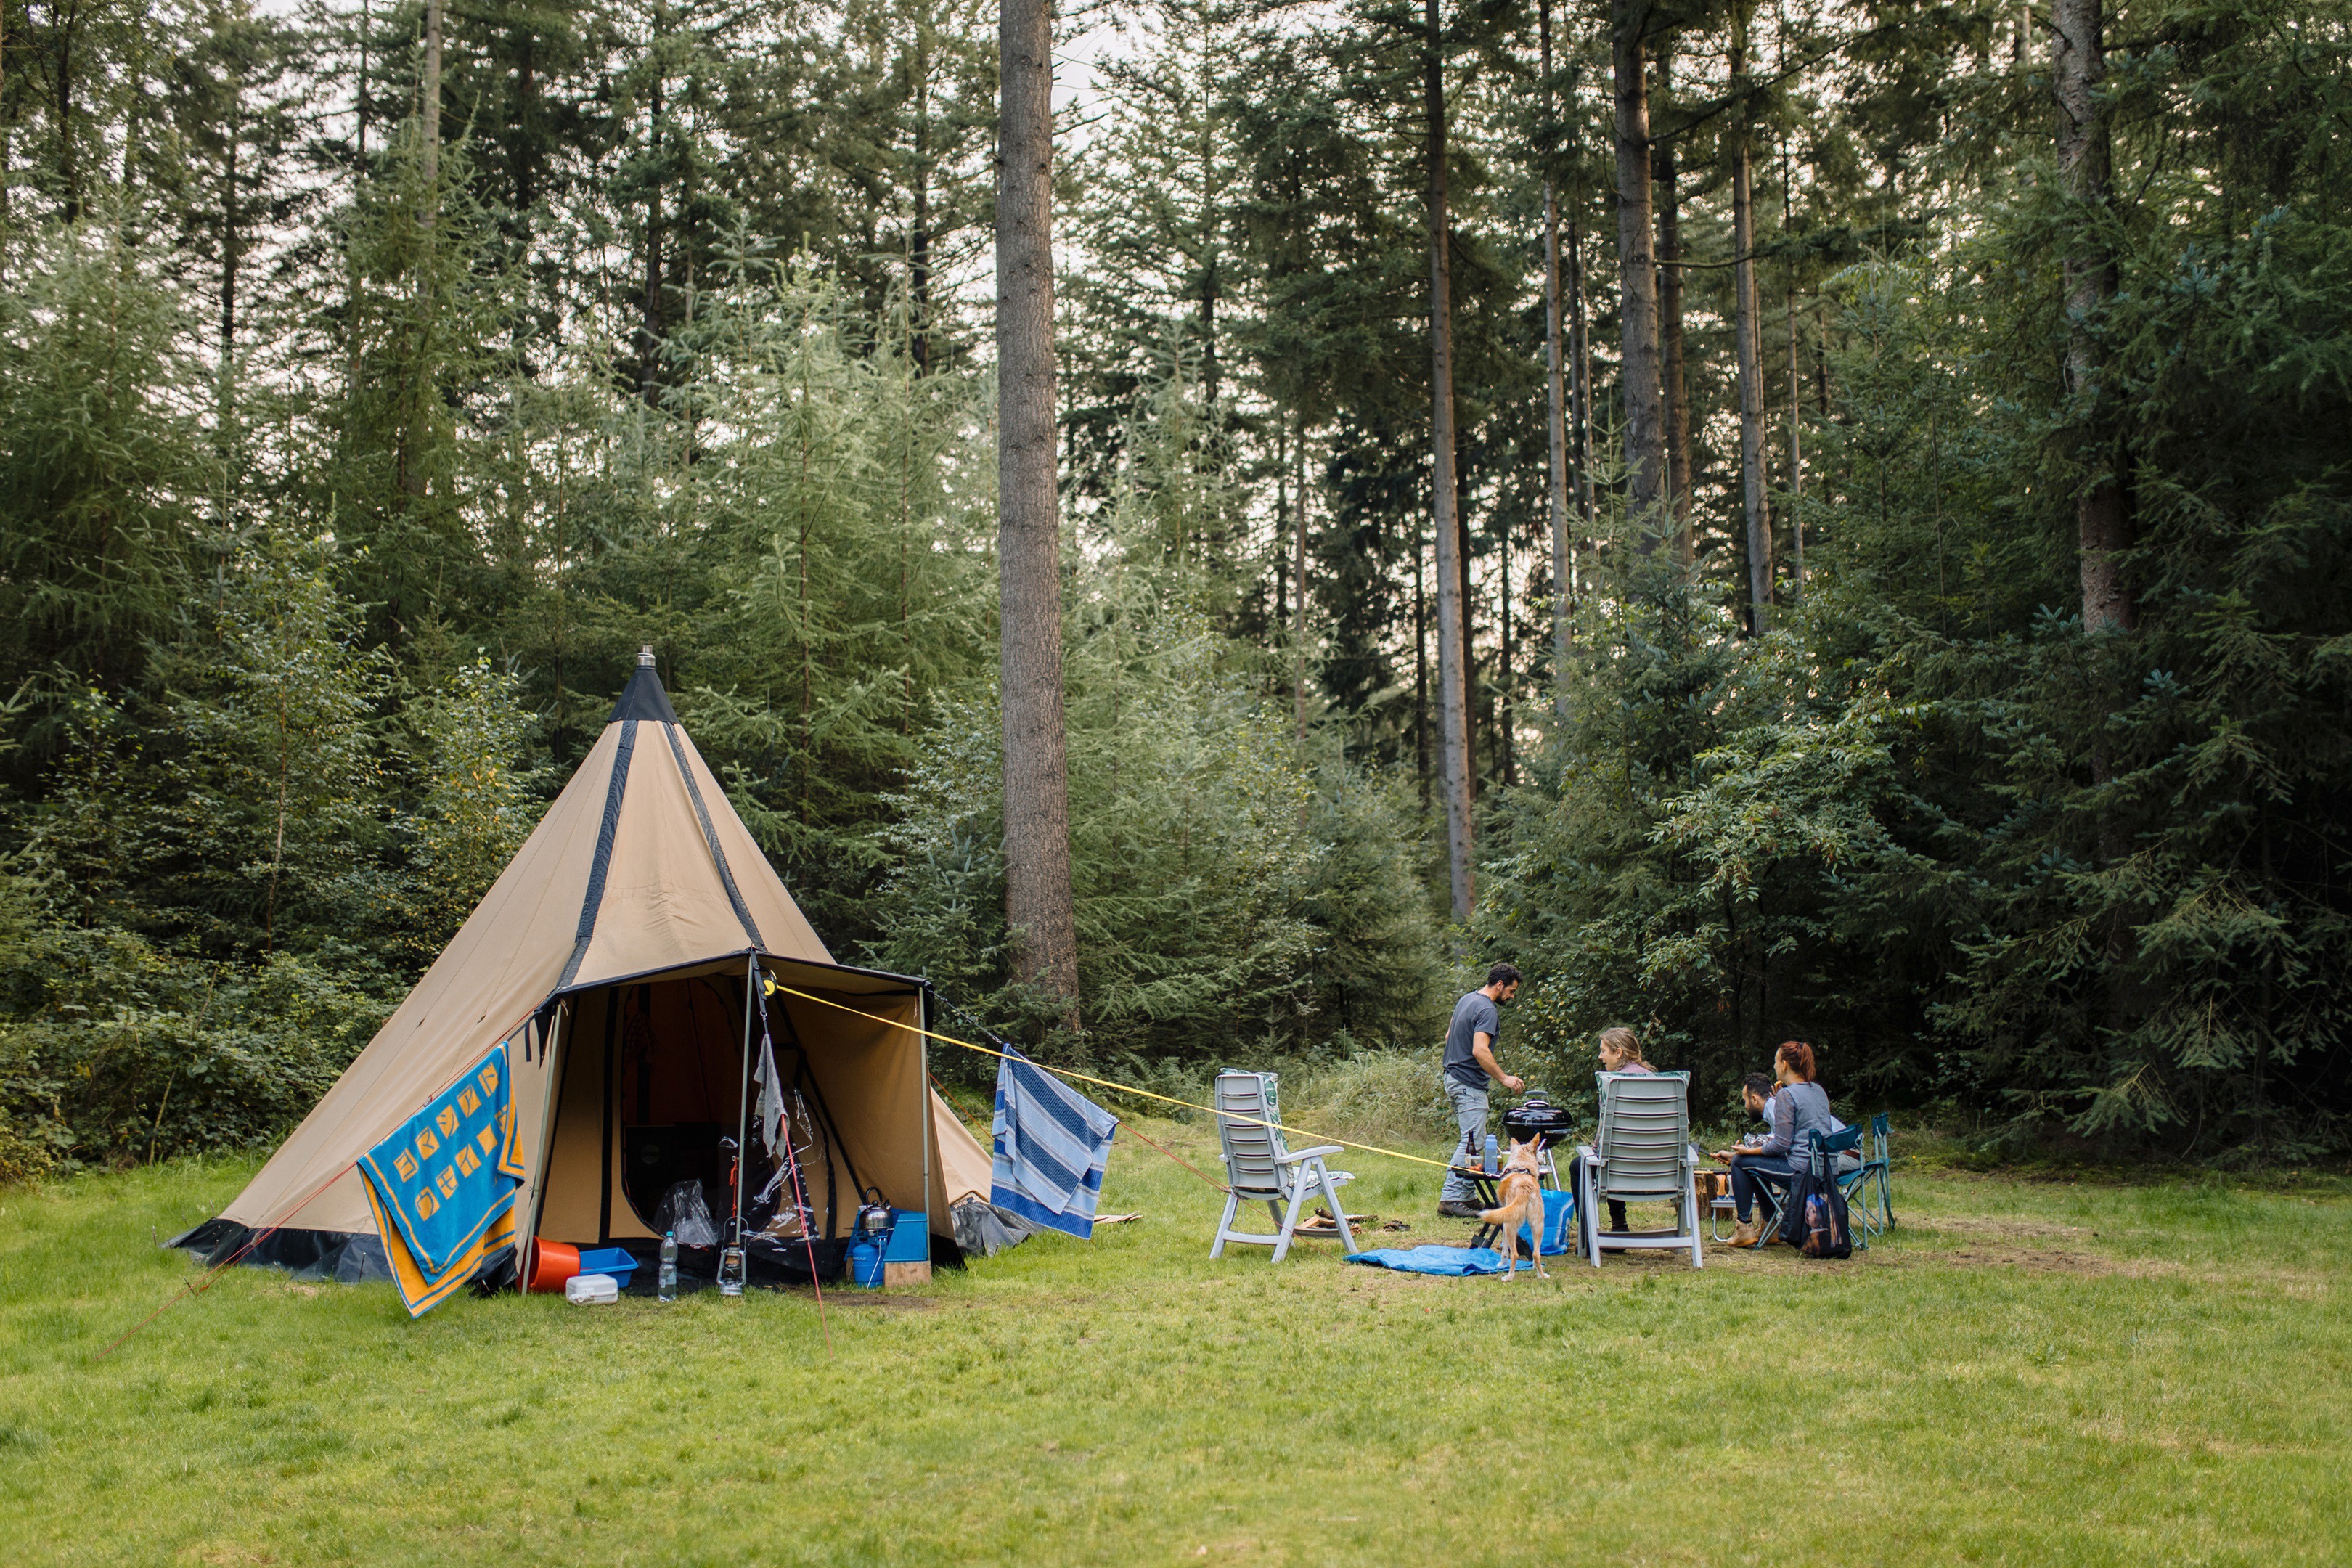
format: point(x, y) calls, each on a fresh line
point(1800, 1106)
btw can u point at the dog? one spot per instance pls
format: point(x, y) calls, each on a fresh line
point(1522, 1196)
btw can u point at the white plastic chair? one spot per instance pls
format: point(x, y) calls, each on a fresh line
point(1641, 1154)
point(1259, 1169)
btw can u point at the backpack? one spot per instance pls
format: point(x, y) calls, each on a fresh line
point(1813, 1220)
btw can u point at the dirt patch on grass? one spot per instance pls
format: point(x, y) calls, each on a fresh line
point(866, 1300)
point(2011, 1229)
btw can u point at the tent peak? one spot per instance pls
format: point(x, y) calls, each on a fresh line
point(644, 698)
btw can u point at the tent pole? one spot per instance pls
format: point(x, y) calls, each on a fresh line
point(546, 1138)
point(743, 1101)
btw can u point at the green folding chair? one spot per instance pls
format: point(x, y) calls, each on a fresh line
point(1867, 1184)
point(1826, 1153)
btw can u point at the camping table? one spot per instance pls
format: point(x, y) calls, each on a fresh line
point(1489, 1197)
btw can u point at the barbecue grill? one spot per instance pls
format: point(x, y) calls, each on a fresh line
point(1536, 1119)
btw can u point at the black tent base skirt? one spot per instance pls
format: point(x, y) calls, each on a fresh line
point(349, 1257)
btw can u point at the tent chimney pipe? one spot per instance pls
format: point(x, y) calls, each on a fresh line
point(645, 656)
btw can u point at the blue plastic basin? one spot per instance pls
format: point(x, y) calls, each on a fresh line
point(612, 1260)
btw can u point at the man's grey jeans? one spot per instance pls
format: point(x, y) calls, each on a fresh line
point(1470, 1116)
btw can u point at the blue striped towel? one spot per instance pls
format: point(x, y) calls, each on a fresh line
point(1051, 1144)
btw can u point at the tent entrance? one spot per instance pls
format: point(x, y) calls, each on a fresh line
point(650, 1080)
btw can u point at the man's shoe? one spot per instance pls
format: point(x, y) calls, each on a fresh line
point(1747, 1234)
point(1454, 1208)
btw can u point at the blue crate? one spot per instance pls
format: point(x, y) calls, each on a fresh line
point(910, 1238)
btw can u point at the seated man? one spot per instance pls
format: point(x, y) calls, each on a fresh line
point(1798, 1107)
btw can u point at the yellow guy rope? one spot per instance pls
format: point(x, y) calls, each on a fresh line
point(1106, 1083)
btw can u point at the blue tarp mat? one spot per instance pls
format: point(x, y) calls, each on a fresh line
point(1432, 1259)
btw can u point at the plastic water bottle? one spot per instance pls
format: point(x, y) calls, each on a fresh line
point(1494, 1154)
point(667, 1287)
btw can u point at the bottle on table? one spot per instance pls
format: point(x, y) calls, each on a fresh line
point(1494, 1156)
point(667, 1287)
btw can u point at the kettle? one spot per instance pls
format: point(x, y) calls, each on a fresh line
point(875, 1218)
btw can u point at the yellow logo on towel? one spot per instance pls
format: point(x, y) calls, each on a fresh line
point(427, 1145)
point(447, 1181)
point(468, 1101)
point(427, 1206)
point(489, 1140)
point(467, 1163)
point(405, 1164)
point(448, 1121)
point(488, 1079)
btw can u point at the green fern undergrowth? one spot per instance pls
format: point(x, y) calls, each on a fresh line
point(2039, 1372)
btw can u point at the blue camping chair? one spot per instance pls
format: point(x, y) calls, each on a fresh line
point(1857, 1185)
point(1826, 1153)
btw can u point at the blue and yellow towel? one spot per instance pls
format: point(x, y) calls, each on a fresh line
point(443, 1186)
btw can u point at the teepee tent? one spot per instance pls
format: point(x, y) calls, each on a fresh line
point(615, 958)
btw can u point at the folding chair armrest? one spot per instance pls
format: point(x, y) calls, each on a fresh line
point(1585, 1152)
point(1317, 1153)
point(1691, 1158)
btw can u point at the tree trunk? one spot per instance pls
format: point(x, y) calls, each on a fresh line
point(1580, 350)
point(649, 328)
point(1419, 674)
point(1645, 439)
point(526, 160)
point(1796, 387)
point(1556, 420)
point(1037, 897)
point(413, 482)
point(1453, 678)
point(1209, 387)
point(68, 172)
point(2101, 520)
point(918, 249)
point(1505, 714)
point(1750, 347)
point(430, 91)
point(1298, 564)
point(1468, 641)
point(229, 259)
point(358, 176)
point(1668, 196)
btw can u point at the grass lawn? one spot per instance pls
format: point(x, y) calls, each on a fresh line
point(2024, 1371)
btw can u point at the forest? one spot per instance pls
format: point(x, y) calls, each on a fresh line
point(1815, 520)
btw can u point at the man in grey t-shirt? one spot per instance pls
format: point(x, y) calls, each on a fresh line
point(1469, 1067)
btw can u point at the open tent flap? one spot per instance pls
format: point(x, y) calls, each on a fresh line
point(960, 1165)
point(650, 1079)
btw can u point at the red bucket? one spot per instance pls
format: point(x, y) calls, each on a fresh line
point(552, 1263)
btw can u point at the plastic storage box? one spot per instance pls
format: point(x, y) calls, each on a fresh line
point(591, 1291)
point(910, 1236)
